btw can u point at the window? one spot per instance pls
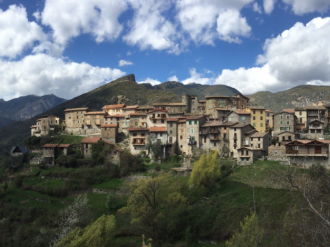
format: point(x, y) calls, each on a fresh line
point(214, 144)
point(171, 132)
point(287, 117)
point(287, 122)
point(242, 100)
point(229, 119)
point(195, 122)
point(260, 112)
point(191, 131)
point(261, 125)
point(154, 121)
point(210, 102)
point(300, 113)
point(254, 124)
point(243, 118)
point(136, 123)
point(254, 118)
point(181, 146)
point(210, 106)
point(171, 125)
point(219, 101)
point(258, 145)
point(281, 122)
point(251, 145)
point(181, 138)
point(235, 130)
point(258, 138)
point(260, 118)
point(281, 116)
point(163, 121)
point(143, 134)
point(224, 136)
point(160, 134)
point(134, 134)
point(254, 112)
point(189, 122)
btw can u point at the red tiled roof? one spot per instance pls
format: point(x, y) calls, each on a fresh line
point(114, 116)
point(242, 112)
point(50, 145)
point(211, 123)
point(78, 109)
point(324, 141)
point(256, 107)
point(217, 96)
point(158, 129)
point(289, 110)
point(109, 125)
point(157, 110)
point(172, 119)
point(109, 143)
point(90, 139)
point(169, 104)
point(138, 129)
point(194, 117)
point(137, 114)
point(64, 145)
point(113, 106)
point(33, 126)
point(38, 120)
point(268, 111)
point(131, 107)
point(259, 134)
point(95, 113)
point(240, 125)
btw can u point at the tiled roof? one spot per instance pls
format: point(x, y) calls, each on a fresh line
point(158, 129)
point(33, 126)
point(78, 109)
point(64, 145)
point(242, 95)
point(156, 111)
point(50, 145)
point(289, 110)
point(228, 124)
point(257, 107)
point(95, 113)
point(195, 117)
point(240, 125)
point(222, 109)
point(109, 143)
point(172, 119)
point(268, 111)
point(109, 125)
point(91, 139)
point(145, 107)
point(137, 114)
point(211, 123)
point(138, 129)
point(38, 120)
point(314, 107)
point(169, 104)
point(218, 96)
point(284, 112)
point(324, 141)
point(113, 106)
point(259, 134)
point(114, 116)
point(131, 107)
point(241, 112)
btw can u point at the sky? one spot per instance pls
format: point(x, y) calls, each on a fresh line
point(69, 47)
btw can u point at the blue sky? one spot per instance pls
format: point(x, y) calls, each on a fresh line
point(69, 47)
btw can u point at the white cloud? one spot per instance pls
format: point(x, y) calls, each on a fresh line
point(42, 74)
point(269, 5)
point(173, 78)
point(69, 19)
point(124, 63)
point(298, 56)
point(151, 81)
point(197, 78)
point(231, 25)
point(16, 32)
point(256, 8)
point(150, 28)
point(201, 19)
point(301, 7)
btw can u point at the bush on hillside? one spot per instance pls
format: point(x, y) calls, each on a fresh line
point(130, 163)
point(32, 141)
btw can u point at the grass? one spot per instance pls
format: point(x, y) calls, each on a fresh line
point(68, 139)
point(44, 182)
point(113, 184)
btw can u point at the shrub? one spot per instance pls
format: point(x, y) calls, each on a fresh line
point(130, 163)
point(18, 181)
point(157, 168)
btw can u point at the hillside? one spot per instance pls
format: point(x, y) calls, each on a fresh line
point(26, 107)
point(295, 97)
point(194, 89)
point(123, 90)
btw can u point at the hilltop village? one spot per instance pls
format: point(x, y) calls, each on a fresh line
point(226, 124)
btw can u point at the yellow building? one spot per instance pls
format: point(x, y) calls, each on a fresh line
point(258, 117)
point(301, 114)
point(269, 119)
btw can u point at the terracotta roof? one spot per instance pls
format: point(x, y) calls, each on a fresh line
point(50, 145)
point(78, 109)
point(131, 107)
point(219, 96)
point(33, 126)
point(90, 139)
point(95, 113)
point(138, 129)
point(64, 145)
point(259, 134)
point(158, 129)
point(242, 95)
point(38, 120)
point(109, 125)
point(169, 104)
point(289, 110)
point(113, 106)
point(222, 109)
point(268, 111)
point(324, 141)
point(194, 117)
point(109, 143)
point(314, 107)
point(157, 110)
point(145, 107)
point(172, 119)
point(228, 124)
point(257, 107)
point(242, 112)
point(114, 116)
point(284, 112)
point(240, 125)
point(137, 114)
point(211, 123)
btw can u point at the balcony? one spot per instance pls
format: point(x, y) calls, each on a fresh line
point(88, 122)
point(205, 132)
point(235, 137)
point(214, 131)
point(307, 153)
point(214, 139)
point(192, 142)
point(163, 117)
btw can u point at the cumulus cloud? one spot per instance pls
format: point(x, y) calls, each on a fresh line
point(151, 81)
point(149, 27)
point(69, 19)
point(124, 63)
point(256, 8)
point(269, 6)
point(202, 19)
point(16, 32)
point(173, 78)
point(196, 77)
point(42, 74)
point(298, 56)
point(301, 7)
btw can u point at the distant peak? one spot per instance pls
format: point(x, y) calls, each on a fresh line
point(2, 100)
point(130, 77)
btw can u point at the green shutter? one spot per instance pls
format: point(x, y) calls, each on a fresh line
point(136, 123)
point(195, 122)
point(192, 131)
point(287, 122)
point(261, 124)
point(281, 122)
point(254, 125)
point(210, 101)
point(189, 122)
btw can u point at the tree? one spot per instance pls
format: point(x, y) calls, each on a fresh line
point(154, 204)
point(130, 163)
point(97, 234)
point(154, 145)
point(5, 187)
point(250, 234)
point(74, 215)
point(112, 200)
point(206, 171)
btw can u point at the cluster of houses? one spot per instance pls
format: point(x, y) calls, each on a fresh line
point(227, 124)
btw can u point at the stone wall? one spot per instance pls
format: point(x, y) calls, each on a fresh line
point(109, 134)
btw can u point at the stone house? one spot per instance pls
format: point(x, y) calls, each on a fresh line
point(301, 114)
point(315, 129)
point(109, 132)
point(172, 133)
point(213, 102)
point(74, 120)
point(171, 107)
point(258, 117)
point(248, 155)
point(114, 109)
point(86, 145)
point(191, 102)
point(49, 153)
point(137, 120)
point(92, 123)
point(269, 120)
point(308, 152)
point(239, 137)
point(44, 125)
point(159, 134)
point(193, 124)
point(130, 109)
point(327, 114)
point(201, 106)
point(260, 141)
point(222, 113)
point(277, 150)
point(120, 120)
point(224, 139)
point(157, 118)
point(138, 140)
point(315, 113)
point(243, 101)
point(19, 150)
point(65, 148)
point(284, 121)
point(182, 138)
point(35, 131)
point(239, 116)
point(144, 109)
point(210, 136)
point(113, 154)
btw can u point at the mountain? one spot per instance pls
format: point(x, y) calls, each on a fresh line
point(304, 95)
point(193, 89)
point(26, 107)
